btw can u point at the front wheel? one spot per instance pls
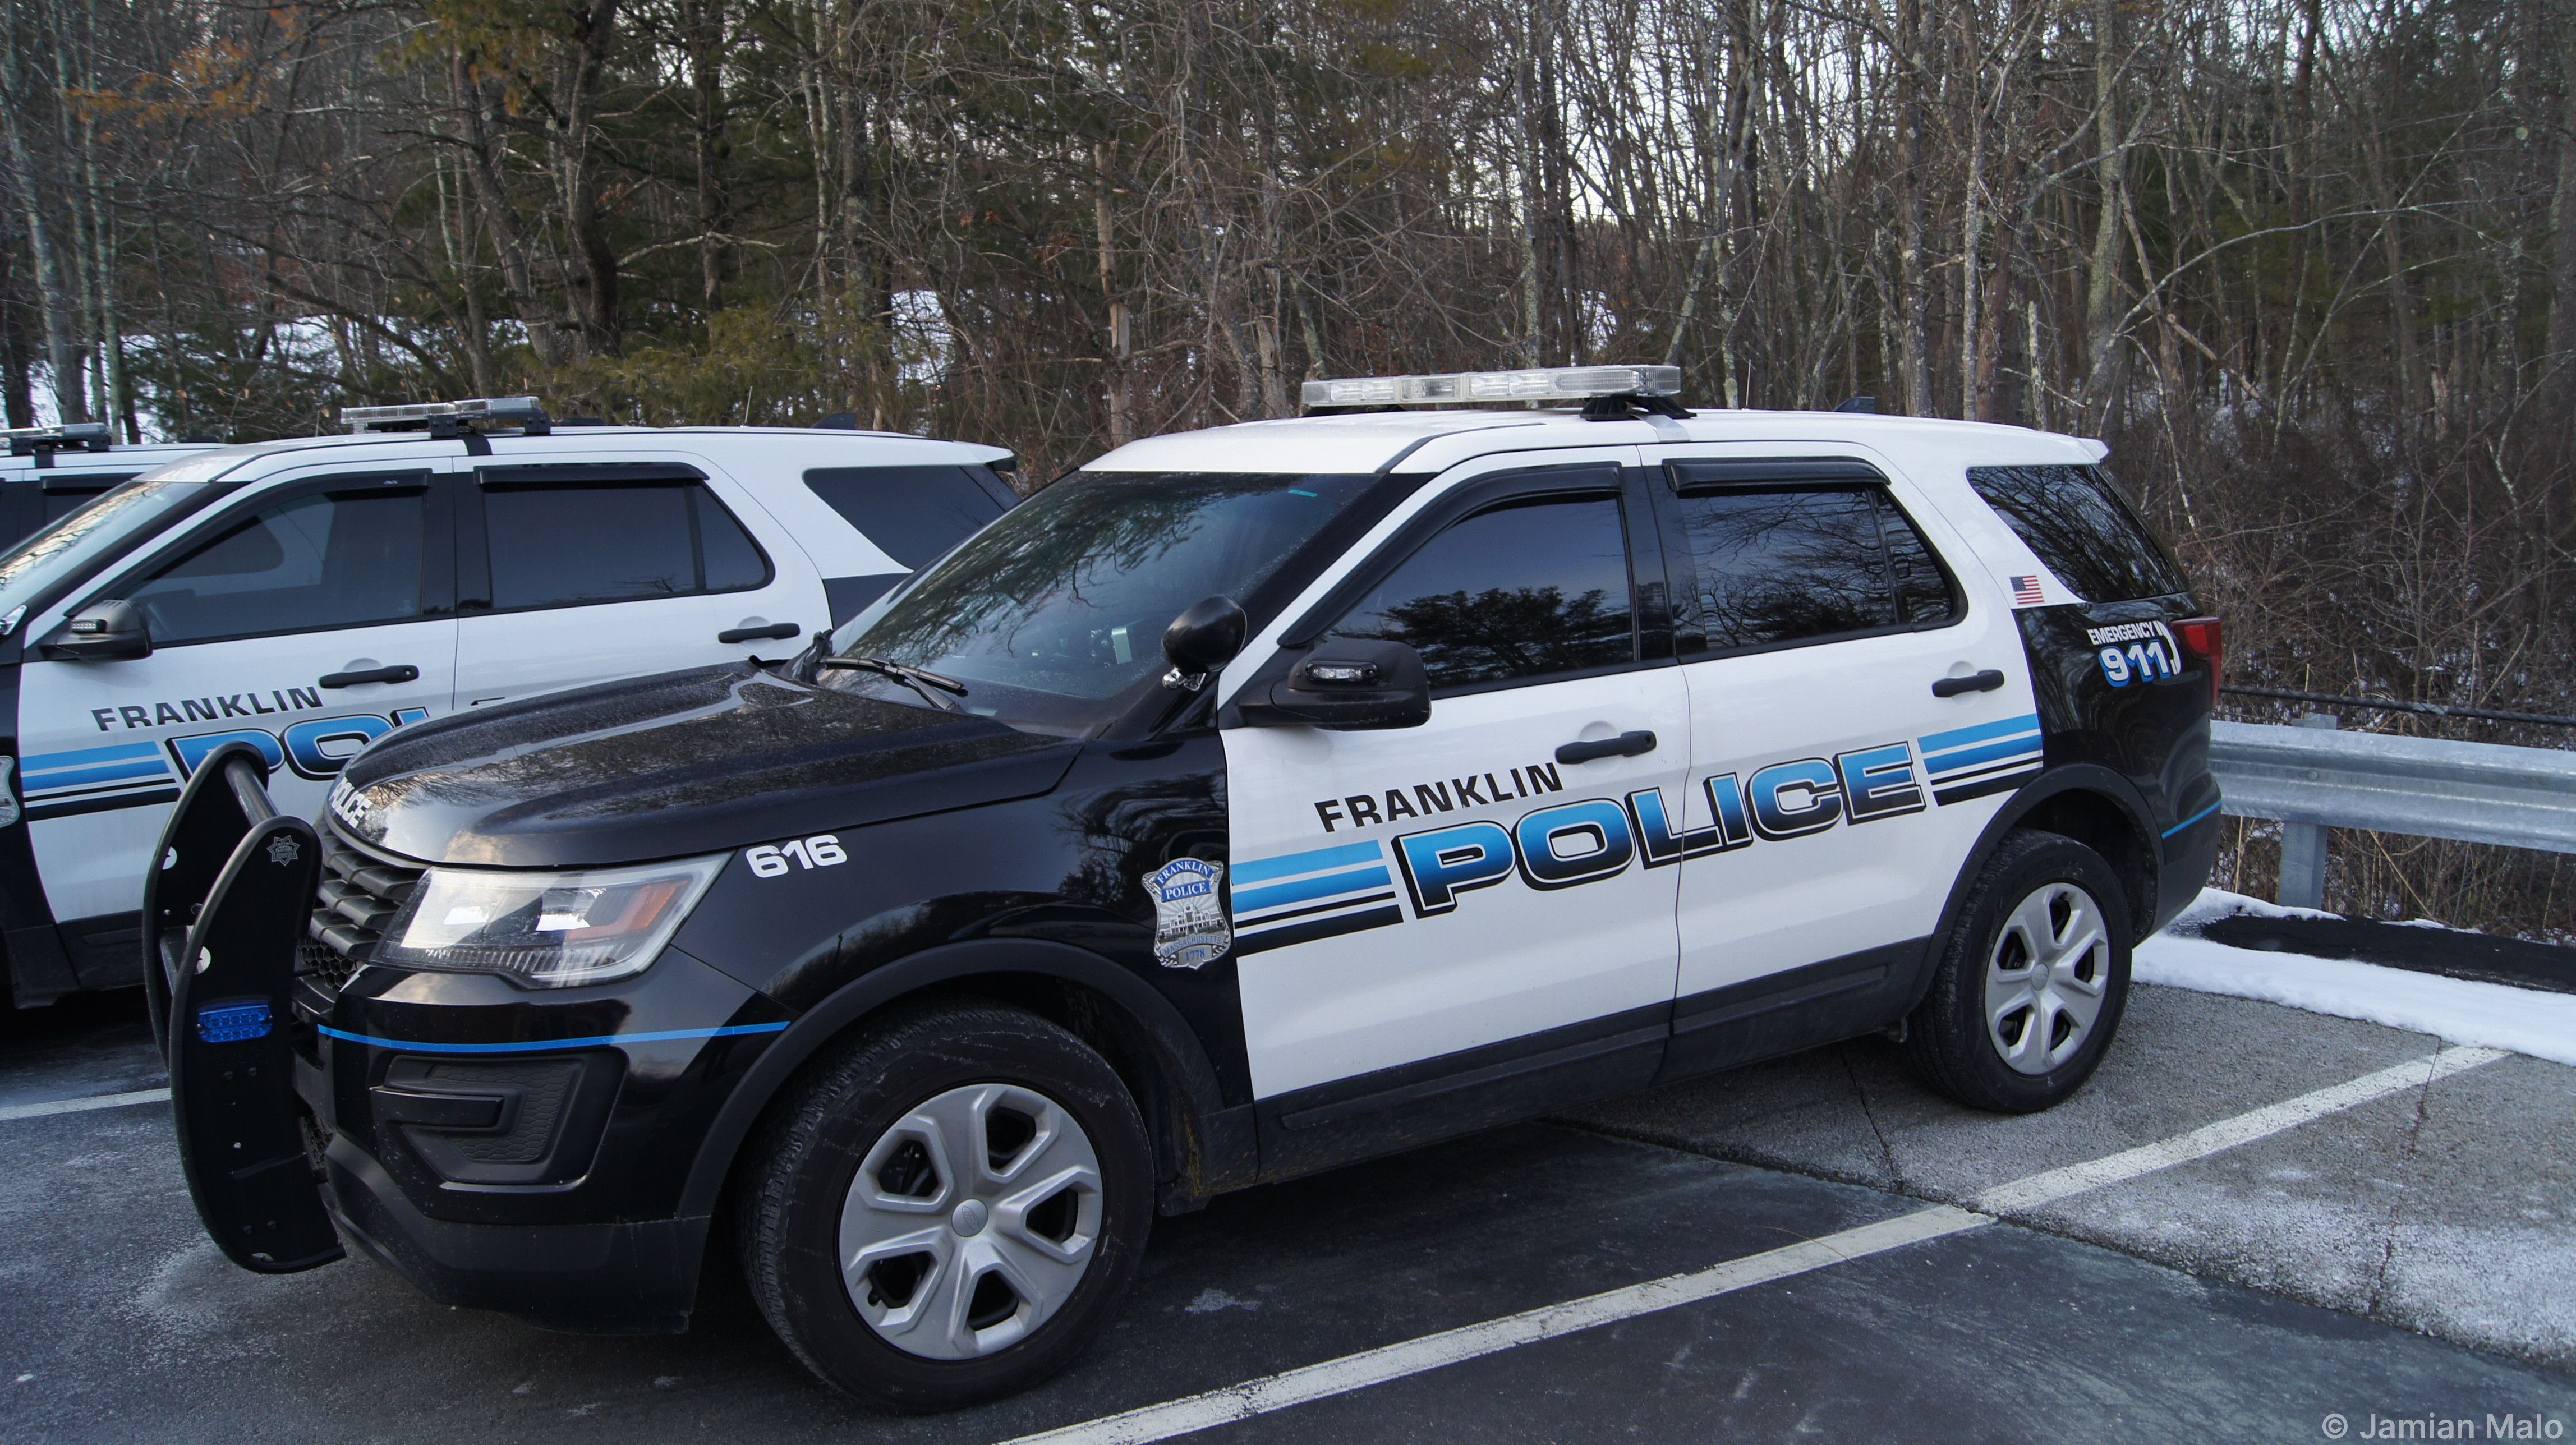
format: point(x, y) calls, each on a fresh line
point(2032, 981)
point(950, 1206)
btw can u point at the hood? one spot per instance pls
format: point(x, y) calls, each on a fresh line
point(684, 763)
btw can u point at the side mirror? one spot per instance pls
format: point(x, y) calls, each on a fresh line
point(1349, 685)
point(1203, 639)
point(110, 631)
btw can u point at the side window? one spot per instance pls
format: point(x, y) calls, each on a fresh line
point(913, 513)
point(2080, 528)
point(568, 546)
point(326, 559)
point(1525, 590)
point(1768, 567)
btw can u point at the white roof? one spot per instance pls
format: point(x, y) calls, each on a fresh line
point(1433, 440)
point(880, 446)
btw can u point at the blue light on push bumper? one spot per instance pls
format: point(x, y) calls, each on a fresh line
point(232, 1023)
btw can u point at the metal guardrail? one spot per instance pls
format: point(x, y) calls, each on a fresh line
point(2313, 777)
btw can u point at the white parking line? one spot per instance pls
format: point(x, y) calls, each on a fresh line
point(1430, 1352)
point(2057, 1184)
point(75, 1106)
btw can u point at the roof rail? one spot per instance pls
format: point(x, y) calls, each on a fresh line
point(449, 419)
point(71, 436)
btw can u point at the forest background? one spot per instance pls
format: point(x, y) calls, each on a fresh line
point(2308, 265)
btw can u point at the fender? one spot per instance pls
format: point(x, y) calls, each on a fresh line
point(2066, 778)
point(1221, 1139)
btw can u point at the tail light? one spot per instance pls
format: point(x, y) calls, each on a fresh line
point(2205, 639)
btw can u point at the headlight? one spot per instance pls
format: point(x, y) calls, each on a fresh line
point(550, 930)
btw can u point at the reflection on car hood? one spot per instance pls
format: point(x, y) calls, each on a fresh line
point(683, 763)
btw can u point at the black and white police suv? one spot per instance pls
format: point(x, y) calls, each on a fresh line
point(1249, 802)
point(306, 596)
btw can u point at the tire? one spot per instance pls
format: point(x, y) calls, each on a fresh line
point(1003, 1147)
point(1998, 1032)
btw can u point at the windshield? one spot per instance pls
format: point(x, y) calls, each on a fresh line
point(1053, 616)
point(100, 529)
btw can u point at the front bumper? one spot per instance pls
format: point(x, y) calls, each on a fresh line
point(527, 1150)
point(630, 1279)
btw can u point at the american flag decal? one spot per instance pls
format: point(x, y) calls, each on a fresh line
point(2026, 592)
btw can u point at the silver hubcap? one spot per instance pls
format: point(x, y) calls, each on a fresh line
point(2046, 978)
point(971, 1221)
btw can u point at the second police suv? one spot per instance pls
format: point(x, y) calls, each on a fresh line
point(1252, 801)
point(306, 596)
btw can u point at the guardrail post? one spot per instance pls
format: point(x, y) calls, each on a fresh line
point(2303, 848)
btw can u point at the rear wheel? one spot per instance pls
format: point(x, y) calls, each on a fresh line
point(949, 1207)
point(2033, 980)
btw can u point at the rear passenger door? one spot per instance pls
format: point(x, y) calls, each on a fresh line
point(575, 573)
point(1835, 795)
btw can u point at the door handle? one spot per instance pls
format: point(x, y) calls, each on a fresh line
point(732, 635)
point(1986, 681)
point(1625, 745)
point(399, 672)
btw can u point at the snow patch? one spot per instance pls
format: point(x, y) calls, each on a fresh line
point(2491, 1015)
point(1212, 1300)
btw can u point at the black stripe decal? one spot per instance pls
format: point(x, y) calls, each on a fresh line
point(2004, 783)
point(37, 812)
point(1267, 919)
point(1318, 928)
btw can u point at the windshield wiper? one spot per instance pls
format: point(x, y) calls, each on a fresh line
point(920, 680)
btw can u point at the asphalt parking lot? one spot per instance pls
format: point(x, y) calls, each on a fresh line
point(2409, 1256)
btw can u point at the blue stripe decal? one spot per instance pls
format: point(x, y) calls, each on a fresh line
point(2194, 818)
point(1971, 757)
point(727, 1032)
point(2026, 723)
point(1305, 889)
point(121, 753)
point(57, 779)
point(1262, 870)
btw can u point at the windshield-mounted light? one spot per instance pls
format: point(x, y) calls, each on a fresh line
point(1554, 383)
point(546, 930)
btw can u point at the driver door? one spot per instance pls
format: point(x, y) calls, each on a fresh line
point(1417, 908)
point(306, 619)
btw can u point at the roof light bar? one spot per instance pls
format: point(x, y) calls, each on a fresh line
point(70, 436)
point(412, 415)
point(1554, 383)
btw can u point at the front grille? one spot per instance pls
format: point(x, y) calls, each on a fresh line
point(358, 897)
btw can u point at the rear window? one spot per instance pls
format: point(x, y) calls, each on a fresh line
point(1767, 567)
point(2080, 527)
point(913, 514)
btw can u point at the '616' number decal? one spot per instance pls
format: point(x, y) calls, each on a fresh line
point(820, 851)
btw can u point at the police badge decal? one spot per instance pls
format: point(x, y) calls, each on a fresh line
point(1189, 916)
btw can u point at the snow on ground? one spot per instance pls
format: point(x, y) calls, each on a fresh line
point(2527, 1021)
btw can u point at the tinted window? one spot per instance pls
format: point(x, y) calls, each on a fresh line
point(1059, 607)
point(913, 513)
point(1522, 591)
point(567, 546)
point(733, 560)
point(328, 560)
point(1760, 568)
point(2081, 529)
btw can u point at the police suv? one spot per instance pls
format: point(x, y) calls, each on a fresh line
point(1249, 802)
point(306, 596)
